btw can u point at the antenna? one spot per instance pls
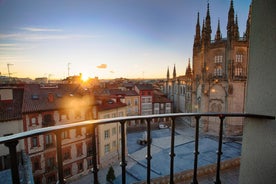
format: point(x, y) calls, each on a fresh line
point(9, 73)
point(68, 68)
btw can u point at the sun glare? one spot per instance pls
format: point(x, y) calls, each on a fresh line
point(84, 77)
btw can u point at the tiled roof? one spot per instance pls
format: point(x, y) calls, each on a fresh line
point(43, 98)
point(110, 105)
point(144, 86)
point(11, 109)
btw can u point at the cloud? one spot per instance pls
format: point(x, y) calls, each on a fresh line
point(37, 29)
point(102, 66)
point(39, 37)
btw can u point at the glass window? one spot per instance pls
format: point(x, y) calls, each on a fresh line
point(218, 59)
point(107, 148)
point(239, 58)
point(106, 134)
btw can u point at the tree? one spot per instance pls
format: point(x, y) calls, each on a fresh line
point(110, 177)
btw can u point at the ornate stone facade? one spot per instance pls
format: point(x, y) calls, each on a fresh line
point(220, 72)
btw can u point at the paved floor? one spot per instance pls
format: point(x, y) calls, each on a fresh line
point(160, 149)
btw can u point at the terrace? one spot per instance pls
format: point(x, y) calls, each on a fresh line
point(12, 140)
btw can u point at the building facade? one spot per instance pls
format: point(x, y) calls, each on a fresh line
point(178, 89)
point(220, 71)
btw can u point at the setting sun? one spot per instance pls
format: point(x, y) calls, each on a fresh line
point(84, 77)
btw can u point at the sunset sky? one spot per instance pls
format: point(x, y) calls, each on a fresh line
point(104, 38)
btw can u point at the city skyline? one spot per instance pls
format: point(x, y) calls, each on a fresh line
point(107, 39)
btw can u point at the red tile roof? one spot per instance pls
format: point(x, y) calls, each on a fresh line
point(11, 109)
point(108, 105)
point(61, 96)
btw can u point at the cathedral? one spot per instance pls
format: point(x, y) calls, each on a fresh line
point(220, 71)
point(216, 82)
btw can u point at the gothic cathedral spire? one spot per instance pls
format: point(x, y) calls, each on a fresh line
point(218, 33)
point(231, 22)
point(197, 36)
point(174, 72)
point(208, 26)
point(168, 74)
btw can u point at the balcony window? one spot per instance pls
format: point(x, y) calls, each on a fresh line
point(49, 140)
point(238, 71)
point(35, 142)
point(65, 134)
point(50, 164)
point(78, 131)
point(79, 149)
point(80, 167)
point(66, 152)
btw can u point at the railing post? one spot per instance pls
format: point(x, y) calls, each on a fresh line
point(219, 152)
point(148, 157)
point(196, 153)
point(94, 155)
point(59, 157)
point(13, 160)
point(123, 147)
point(172, 154)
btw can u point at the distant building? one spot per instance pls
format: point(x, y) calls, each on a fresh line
point(109, 138)
point(220, 71)
point(145, 92)
point(179, 89)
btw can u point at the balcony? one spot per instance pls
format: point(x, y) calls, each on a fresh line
point(12, 140)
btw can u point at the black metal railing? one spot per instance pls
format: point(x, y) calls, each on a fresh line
point(11, 142)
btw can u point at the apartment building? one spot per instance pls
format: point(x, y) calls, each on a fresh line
point(109, 138)
point(56, 104)
point(10, 118)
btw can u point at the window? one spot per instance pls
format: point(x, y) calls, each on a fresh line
point(107, 148)
point(36, 163)
point(239, 58)
point(49, 140)
point(136, 101)
point(218, 59)
point(48, 120)
point(66, 153)
point(238, 71)
point(79, 149)
point(50, 163)
point(114, 131)
point(106, 134)
point(80, 167)
point(67, 172)
point(33, 121)
point(90, 162)
point(65, 134)
point(35, 142)
point(114, 144)
point(51, 179)
point(77, 115)
point(78, 131)
point(128, 102)
point(218, 71)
